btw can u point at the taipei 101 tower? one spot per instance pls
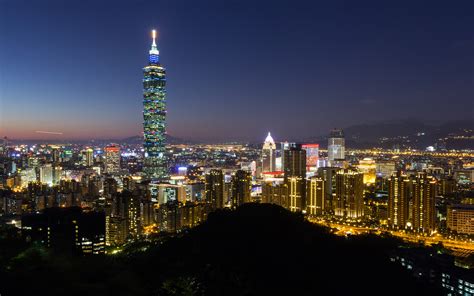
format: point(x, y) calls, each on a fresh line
point(155, 165)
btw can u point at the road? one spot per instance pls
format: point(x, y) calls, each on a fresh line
point(455, 245)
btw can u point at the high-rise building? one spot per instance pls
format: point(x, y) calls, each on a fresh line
point(241, 187)
point(88, 157)
point(127, 206)
point(214, 188)
point(115, 230)
point(275, 193)
point(154, 116)
point(399, 195)
point(283, 146)
point(3, 146)
point(424, 206)
point(328, 174)
point(315, 196)
point(349, 194)
point(312, 156)
point(367, 166)
point(112, 159)
point(55, 156)
point(46, 174)
point(268, 155)
point(336, 146)
point(295, 177)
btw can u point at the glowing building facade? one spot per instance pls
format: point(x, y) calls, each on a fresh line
point(154, 117)
point(112, 159)
point(349, 194)
point(336, 146)
point(424, 209)
point(399, 193)
point(312, 156)
point(269, 155)
point(368, 167)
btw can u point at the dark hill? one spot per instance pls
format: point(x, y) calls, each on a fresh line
point(254, 250)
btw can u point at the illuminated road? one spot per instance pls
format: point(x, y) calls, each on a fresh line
point(455, 245)
point(376, 152)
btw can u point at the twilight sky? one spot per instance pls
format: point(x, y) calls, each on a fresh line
point(235, 69)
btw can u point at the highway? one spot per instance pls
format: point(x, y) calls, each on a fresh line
point(455, 245)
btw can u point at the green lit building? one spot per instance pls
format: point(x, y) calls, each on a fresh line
point(154, 117)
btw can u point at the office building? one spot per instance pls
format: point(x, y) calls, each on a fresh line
point(312, 156)
point(241, 188)
point(155, 164)
point(328, 174)
point(88, 157)
point(283, 146)
point(268, 155)
point(275, 193)
point(336, 146)
point(368, 168)
point(46, 174)
point(127, 206)
point(295, 177)
point(214, 188)
point(112, 159)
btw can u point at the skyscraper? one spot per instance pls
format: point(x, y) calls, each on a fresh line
point(154, 116)
point(88, 157)
point(295, 177)
point(268, 154)
point(336, 146)
point(349, 194)
point(328, 174)
point(241, 187)
point(283, 146)
point(112, 159)
point(46, 174)
point(215, 188)
point(315, 196)
point(312, 156)
point(399, 192)
point(424, 207)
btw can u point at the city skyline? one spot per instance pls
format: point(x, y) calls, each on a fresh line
point(69, 93)
point(236, 148)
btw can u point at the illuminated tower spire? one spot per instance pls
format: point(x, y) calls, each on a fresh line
point(154, 52)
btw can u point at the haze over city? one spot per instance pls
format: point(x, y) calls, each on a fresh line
point(235, 69)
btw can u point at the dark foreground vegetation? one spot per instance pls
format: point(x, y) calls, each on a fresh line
point(254, 250)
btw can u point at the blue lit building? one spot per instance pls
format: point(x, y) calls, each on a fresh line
point(154, 117)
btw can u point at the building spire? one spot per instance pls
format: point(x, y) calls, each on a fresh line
point(153, 34)
point(154, 53)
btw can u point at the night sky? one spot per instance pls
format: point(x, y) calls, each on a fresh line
point(235, 69)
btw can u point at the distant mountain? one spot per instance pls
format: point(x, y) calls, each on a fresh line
point(408, 133)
